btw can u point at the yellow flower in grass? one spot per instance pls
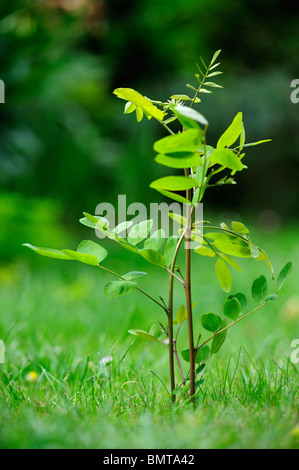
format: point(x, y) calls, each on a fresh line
point(32, 376)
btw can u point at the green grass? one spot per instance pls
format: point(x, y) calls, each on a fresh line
point(56, 322)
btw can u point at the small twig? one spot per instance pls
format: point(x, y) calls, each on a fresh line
point(175, 276)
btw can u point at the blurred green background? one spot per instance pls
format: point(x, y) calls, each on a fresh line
point(65, 146)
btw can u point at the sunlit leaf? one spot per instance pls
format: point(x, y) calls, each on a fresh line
point(205, 251)
point(169, 249)
point(178, 218)
point(226, 158)
point(181, 314)
point(139, 231)
point(255, 143)
point(92, 248)
point(174, 196)
point(156, 241)
point(214, 58)
point(140, 102)
point(233, 249)
point(187, 141)
point(239, 227)
point(88, 223)
point(254, 250)
point(189, 117)
point(122, 227)
point(231, 134)
point(82, 257)
point(231, 261)
point(174, 183)
point(179, 160)
point(223, 275)
point(283, 275)
point(48, 252)
point(143, 334)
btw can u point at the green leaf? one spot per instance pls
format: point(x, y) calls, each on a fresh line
point(239, 227)
point(263, 255)
point(174, 196)
point(232, 133)
point(187, 141)
point(210, 322)
point(140, 101)
point(156, 241)
point(125, 245)
point(181, 314)
point(88, 223)
point(181, 97)
point(233, 249)
point(82, 257)
point(169, 249)
point(95, 220)
point(179, 160)
point(219, 339)
point(188, 117)
point(116, 288)
point(231, 261)
point(153, 256)
point(91, 248)
point(227, 238)
point(178, 218)
point(254, 250)
point(122, 227)
point(49, 252)
point(259, 289)
point(143, 334)
point(174, 183)
point(214, 58)
point(205, 251)
point(98, 223)
point(214, 74)
point(255, 143)
point(241, 298)
point(232, 308)
point(139, 231)
point(129, 108)
point(201, 355)
point(271, 297)
point(283, 275)
point(133, 274)
point(223, 275)
point(227, 158)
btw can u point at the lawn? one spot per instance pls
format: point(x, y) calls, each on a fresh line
point(57, 390)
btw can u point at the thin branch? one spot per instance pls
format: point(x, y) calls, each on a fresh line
point(138, 288)
point(166, 127)
point(175, 276)
point(231, 324)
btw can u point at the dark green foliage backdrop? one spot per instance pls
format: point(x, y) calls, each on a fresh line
point(63, 134)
